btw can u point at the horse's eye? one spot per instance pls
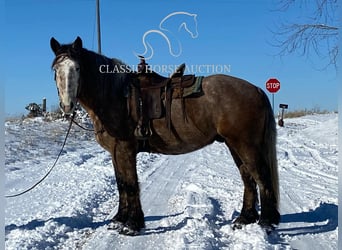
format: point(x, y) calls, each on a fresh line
point(77, 69)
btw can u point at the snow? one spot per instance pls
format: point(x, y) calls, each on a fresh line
point(189, 200)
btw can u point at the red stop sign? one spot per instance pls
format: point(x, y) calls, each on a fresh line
point(273, 85)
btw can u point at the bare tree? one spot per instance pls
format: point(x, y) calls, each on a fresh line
point(317, 34)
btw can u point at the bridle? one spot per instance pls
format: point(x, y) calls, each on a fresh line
point(60, 58)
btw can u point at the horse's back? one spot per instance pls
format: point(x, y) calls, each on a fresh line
point(228, 107)
point(234, 95)
point(231, 89)
point(240, 109)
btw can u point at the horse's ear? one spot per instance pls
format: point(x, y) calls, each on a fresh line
point(77, 44)
point(54, 44)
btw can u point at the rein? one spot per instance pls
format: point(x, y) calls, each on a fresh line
point(53, 166)
point(89, 129)
point(82, 127)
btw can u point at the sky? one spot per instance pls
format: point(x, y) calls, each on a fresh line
point(234, 36)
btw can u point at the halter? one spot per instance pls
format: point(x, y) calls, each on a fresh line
point(60, 58)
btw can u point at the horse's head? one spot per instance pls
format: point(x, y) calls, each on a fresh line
point(67, 72)
point(190, 25)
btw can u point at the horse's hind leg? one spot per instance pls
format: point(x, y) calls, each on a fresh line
point(129, 213)
point(268, 197)
point(257, 167)
point(248, 213)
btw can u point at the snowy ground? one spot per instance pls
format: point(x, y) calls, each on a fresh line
point(189, 200)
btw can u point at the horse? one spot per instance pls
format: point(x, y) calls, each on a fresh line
point(179, 19)
point(186, 20)
point(230, 110)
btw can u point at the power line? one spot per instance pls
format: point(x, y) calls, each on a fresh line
point(98, 26)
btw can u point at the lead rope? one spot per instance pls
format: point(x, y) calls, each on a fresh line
point(82, 127)
point(54, 164)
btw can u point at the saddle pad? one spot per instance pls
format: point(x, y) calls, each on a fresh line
point(196, 88)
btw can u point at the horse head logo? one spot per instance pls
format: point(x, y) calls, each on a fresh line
point(175, 21)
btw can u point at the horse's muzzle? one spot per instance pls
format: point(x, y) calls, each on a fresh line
point(67, 109)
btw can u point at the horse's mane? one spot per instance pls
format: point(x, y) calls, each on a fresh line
point(115, 84)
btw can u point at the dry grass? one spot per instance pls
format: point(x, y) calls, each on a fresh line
point(303, 112)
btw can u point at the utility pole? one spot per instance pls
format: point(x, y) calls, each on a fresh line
point(98, 26)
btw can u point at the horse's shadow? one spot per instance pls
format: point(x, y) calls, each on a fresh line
point(323, 219)
point(83, 222)
point(214, 219)
point(164, 229)
point(78, 223)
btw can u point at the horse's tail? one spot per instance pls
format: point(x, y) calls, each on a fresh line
point(269, 150)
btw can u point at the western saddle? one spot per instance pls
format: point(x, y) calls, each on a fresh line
point(155, 94)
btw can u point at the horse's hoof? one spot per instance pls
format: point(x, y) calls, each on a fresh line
point(115, 225)
point(237, 226)
point(244, 220)
point(247, 216)
point(267, 227)
point(125, 230)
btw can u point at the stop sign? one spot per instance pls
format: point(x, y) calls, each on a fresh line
point(273, 85)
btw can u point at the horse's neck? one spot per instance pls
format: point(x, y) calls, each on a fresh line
point(95, 84)
point(89, 80)
point(103, 96)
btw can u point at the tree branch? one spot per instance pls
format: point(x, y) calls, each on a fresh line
point(319, 36)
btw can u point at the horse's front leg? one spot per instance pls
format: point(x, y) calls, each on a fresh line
point(129, 214)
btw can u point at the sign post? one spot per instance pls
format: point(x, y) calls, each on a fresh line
point(273, 86)
point(281, 119)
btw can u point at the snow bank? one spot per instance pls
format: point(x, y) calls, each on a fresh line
point(189, 200)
